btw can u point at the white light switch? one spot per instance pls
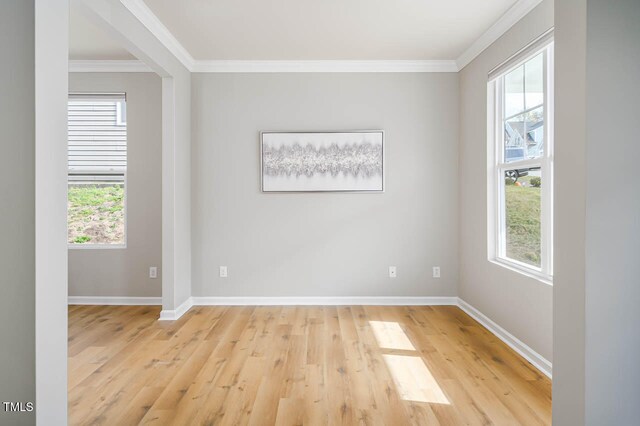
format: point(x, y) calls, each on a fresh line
point(392, 272)
point(436, 272)
point(153, 272)
point(223, 272)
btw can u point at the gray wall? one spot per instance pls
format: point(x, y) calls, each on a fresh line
point(597, 214)
point(521, 305)
point(569, 213)
point(17, 227)
point(52, 94)
point(326, 244)
point(125, 272)
point(119, 23)
point(612, 284)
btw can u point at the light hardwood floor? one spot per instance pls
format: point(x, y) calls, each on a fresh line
point(296, 365)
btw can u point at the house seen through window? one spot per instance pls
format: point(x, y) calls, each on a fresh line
point(97, 153)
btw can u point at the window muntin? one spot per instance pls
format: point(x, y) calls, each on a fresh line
point(521, 176)
point(97, 158)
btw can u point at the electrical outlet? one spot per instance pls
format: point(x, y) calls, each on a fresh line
point(223, 272)
point(153, 272)
point(436, 272)
point(392, 272)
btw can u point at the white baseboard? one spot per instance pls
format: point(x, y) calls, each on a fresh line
point(172, 315)
point(513, 342)
point(323, 301)
point(110, 300)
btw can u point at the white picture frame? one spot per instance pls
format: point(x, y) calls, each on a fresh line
point(333, 161)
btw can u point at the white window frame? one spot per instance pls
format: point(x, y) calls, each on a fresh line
point(497, 168)
point(121, 120)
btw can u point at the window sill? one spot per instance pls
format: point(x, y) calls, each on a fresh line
point(96, 246)
point(523, 270)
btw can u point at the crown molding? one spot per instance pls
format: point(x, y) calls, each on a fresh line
point(142, 12)
point(501, 26)
point(223, 66)
point(271, 66)
point(108, 66)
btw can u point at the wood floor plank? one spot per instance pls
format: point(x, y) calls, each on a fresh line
point(293, 365)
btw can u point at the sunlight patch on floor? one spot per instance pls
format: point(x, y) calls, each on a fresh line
point(413, 379)
point(390, 335)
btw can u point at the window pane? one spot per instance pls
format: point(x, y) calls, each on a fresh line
point(514, 92)
point(515, 148)
point(96, 213)
point(522, 215)
point(534, 128)
point(534, 95)
point(524, 136)
point(97, 155)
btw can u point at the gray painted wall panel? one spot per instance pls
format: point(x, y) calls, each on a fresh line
point(327, 244)
point(569, 213)
point(17, 210)
point(612, 336)
point(116, 19)
point(521, 305)
point(125, 272)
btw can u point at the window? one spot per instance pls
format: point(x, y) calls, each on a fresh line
point(97, 153)
point(521, 159)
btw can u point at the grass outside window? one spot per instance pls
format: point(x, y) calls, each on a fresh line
point(522, 217)
point(96, 214)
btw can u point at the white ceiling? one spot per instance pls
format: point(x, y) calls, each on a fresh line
point(87, 41)
point(327, 29)
point(307, 30)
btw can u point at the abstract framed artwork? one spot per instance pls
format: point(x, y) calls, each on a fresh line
point(350, 161)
